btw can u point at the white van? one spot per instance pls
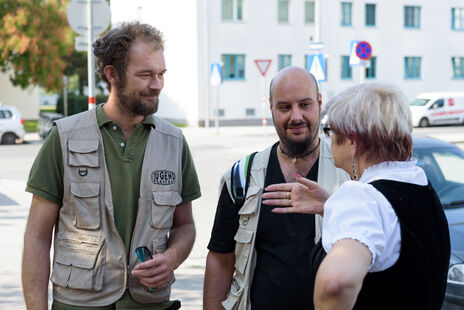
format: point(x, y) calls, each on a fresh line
point(437, 108)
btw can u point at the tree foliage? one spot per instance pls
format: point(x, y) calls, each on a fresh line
point(35, 38)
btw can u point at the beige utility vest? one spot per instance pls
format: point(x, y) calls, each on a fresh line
point(329, 177)
point(90, 266)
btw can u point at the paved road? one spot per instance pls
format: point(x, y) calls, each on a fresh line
point(213, 153)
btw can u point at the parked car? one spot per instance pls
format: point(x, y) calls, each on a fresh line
point(438, 108)
point(46, 120)
point(11, 125)
point(443, 164)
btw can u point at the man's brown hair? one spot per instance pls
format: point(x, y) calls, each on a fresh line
point(113, 47)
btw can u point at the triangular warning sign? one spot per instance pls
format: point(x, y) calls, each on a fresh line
point(263, 65)
point(317, 67)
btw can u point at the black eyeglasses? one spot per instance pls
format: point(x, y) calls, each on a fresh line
point(327, 131)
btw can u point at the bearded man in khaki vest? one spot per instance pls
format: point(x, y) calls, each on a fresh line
point(259, 259)
point(110, 180)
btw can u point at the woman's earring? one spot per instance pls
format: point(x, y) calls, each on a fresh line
point(355, 175)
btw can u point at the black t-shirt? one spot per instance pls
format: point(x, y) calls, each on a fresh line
point(283, 244)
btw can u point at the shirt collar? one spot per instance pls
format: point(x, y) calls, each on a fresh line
point(401, 171)
point(102, 119)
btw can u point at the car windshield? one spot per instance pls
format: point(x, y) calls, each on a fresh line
point(444, 168)
point(419, 102)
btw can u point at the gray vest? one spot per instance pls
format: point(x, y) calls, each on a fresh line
point(90, 266)
point(329, 177)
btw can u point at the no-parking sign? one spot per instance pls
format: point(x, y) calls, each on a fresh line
point(364, 50)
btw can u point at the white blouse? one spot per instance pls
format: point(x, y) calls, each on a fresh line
point(359, 211)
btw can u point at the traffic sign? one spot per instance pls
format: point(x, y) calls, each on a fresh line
point(315, 46)
point(215, 74)
point(354, 59)
point(364, 50)
point(263, 65)
point(316, 66)
point(81, 43)
point(77, 16)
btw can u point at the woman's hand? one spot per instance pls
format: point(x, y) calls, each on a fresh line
point(303, 196)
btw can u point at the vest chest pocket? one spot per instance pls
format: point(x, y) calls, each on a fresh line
point(252, 201)
point(85, 201)
point(83, 153)
point(164, 205)
point(243, 240)
point(79, 262)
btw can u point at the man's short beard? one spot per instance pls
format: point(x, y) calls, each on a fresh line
point(131, 102)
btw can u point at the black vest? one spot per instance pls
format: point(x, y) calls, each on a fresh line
point(418, 279)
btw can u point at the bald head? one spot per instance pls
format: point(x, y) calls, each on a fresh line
point(290, 74)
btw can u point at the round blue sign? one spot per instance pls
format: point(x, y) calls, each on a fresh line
point(364, 50)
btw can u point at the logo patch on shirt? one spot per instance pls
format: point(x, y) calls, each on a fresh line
point(163, 177)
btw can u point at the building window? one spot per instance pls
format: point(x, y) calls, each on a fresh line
point(412, 16)
point(232, 10)
point(370, 14)
point(412, 67)
point(458, 67)
point(371, 70)
point(309, 11)
point(219, 112)
point(250, 112)
point(283, 11)
point(234, 67)
point(457, 18)
point(346, 13)
point(346, 68)
point(284, 61)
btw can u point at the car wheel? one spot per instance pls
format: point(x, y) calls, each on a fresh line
point(424, 122)
point(9, 138)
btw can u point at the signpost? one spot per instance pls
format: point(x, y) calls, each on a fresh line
point(215, 78)
point(360, 52)
point(88, 18)
point(263, 66)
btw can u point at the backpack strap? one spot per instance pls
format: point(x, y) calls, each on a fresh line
point(240, 177)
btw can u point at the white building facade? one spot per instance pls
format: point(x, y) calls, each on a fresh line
point(25, 100)
point(416, 44)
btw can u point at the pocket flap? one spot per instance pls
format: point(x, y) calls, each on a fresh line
point(243, 235)
point(83, 146)
point(253, 190)
point(78, 252)
point(253, 201)
point(167, 198)
point(85, 190)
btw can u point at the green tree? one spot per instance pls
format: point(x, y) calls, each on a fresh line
point(35, 38)
point(76, 64)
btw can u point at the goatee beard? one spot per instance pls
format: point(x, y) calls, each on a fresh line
point(295, 149)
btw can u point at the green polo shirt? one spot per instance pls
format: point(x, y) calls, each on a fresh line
point(124, 160)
